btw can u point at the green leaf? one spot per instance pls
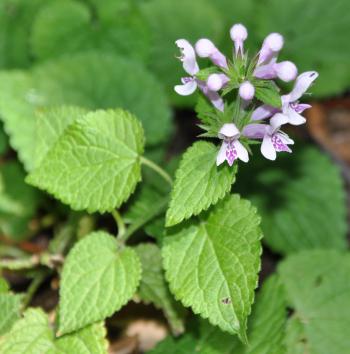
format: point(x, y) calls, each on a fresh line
point(199, 183)
point(182, 19)
point(51, 124)
point(95, 165)
point(30, 335)
point(89, 340)
point(215, 261)
point(18, 202)
point(98, 278)
point(67, 27)
point(153, 287)
point(311, 44)
point(3, 141)
point(91, 80)
point(268, 93)
point(186, 345)
point(10, 306)
point(321, 301)
point(33, 334)
point(301, 205)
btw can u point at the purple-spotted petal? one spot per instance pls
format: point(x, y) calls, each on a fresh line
point(242, 152)
point(255, 131)
point(302, 83)
point(267, 148)
point(263, 112)
point(186, 89)
point(300, 107)
point(188, 56)
point(279, 144)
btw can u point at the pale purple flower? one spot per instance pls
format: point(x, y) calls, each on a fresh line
point(271, 46)
point(216, 82)
point(273, 139)
point(246, 90)
point(291, 108)
point(290, 105)
point(190, 83)
point(231, 148)
point(238, 34)
point(285, 70)
point(206, 49)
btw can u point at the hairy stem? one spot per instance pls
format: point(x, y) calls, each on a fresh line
point(157, 169)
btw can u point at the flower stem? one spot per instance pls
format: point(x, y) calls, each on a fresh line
point(120, 222)
point(157, 169)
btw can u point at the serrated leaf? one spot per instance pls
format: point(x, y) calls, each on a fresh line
point(268, 95)
point(30, 335)
point(18, 202)
point(302, 206)
point(89, 340)
point(91, 80)
point(186, 345)
point(95, 165)
point(98, 278)
point(321, 301)
point(310, 44)
point(33, 335)
point(10, 306)
point(50, 125)
point(181, 19)
point(224, 261)
point(199, 183)
point(153, 287)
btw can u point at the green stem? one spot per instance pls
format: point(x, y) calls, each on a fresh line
point(120, 222)
point(18, 264)
point(34, 286)
point(157, 169)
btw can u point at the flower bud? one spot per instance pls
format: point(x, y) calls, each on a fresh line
point(238, 34)
point(215, 82)
point(205, 48)
point(274, 41)
point(246, 90)
point(286, 71)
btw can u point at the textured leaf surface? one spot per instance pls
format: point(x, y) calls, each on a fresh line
point(91, 80)
point(215, 260)
point(311, 44)
point(51, 124)
point(181, 19)
point(301, 199)
point(95, 165)
point(321, 301)
point(30, 335)
point(98, 278)
point(153, 287)
point(10, 305)
point(199, 183)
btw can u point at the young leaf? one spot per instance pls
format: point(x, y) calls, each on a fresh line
point(153, 287)
point(268, 93)
point(321, 301)
point(213, 266)
point(95, 165)
point(30, 335)
point(199, 183)
point(98, 278)
point(301, 205)
point(10, 305)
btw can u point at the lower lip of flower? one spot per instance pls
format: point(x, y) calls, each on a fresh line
point(278, 144)
point(231, 154)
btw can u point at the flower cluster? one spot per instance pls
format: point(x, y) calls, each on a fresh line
point(257, 110)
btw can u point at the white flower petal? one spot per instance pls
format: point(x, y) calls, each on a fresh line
point(242, 152)
point(188, 56)
point(186, 89)
point(267, 148)
point(302, 83)
point(277, 121)
point(221, 156)
point(228, 130)
point(294, 117)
